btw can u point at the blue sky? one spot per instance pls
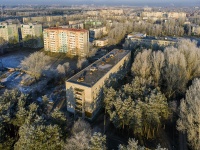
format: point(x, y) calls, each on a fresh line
point(104, 2)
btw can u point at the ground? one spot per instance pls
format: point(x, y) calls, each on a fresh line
point(13, 59)
point(12, 79)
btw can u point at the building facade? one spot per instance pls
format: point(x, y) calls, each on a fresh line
point(9, 32)
point(100, 42)
point(74, 42)
point(85, 89)
point(32, 30)
point(140, 39)
point(163, 15)
point(96, 33)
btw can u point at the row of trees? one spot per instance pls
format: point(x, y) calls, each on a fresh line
point(118, 30)
point(170, 70)
point(169, 28)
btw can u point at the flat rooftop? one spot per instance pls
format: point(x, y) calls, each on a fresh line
point(68, 29)
point(99, 67)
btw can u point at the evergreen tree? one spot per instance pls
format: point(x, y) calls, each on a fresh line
point(138, 106)
point(39, 137)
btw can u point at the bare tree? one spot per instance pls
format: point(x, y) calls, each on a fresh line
point(82, 62)
point(157, 63)
point(192, 56)
point(79, 141)
point(189, 121)
point(36, 64)
point(80, 126)
point(174, 72)
point(63, 69)
point(142, 64)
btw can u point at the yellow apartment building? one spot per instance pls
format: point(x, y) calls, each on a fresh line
point(100, 42)
point(85, 89)
point(74, 42)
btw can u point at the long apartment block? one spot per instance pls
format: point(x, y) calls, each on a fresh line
point(33, 30)
point(74, 42)
point(85, 89)
point(9, 31)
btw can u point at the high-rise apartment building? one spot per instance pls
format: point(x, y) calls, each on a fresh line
point(9, 32)
point(84, 90)
point(66, 40)
point(32, 30)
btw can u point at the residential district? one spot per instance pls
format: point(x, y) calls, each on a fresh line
point(98, 77)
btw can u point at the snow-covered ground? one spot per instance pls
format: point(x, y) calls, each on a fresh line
point(14, 59)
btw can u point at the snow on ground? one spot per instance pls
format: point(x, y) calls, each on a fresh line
point(14, 59)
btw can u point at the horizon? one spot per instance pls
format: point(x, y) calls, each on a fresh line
point(176, 3)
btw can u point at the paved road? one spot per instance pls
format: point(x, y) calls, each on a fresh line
point(182, 141)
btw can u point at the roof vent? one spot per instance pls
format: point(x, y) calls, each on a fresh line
point(112, 55)
point(120, 51)
point(103, 62)
point(107, 58)
point(81, 79)
point(93, 68)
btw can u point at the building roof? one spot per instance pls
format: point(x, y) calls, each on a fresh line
point(99, 67)
point(144, 37)
point(68, 29)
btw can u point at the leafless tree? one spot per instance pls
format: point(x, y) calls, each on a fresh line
point(82, 62)
point(36, 64)
point(189, 121)
point(63, 69)
point(81, 125)
point(142, 64)
point(174, 72)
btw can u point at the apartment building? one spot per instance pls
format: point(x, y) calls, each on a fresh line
point(74, 42)
point(33, 30)
point(112, 12)
point(152, 14)
point(93, 12)
point(195, 29)
point(84, 90)
point(9, 31)
point(140, 38)
point(100, 42)
point(176, 15)
point(43, 19)
point(96, 33)
point(163, 15)
point(74, 26)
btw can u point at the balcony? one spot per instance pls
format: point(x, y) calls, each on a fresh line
point(78, 108)
point(78, 102)
point(78, 90)
point(78, 93)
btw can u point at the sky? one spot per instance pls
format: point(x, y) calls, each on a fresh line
point(106, 2)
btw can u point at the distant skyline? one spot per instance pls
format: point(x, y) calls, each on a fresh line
point(106, 2)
